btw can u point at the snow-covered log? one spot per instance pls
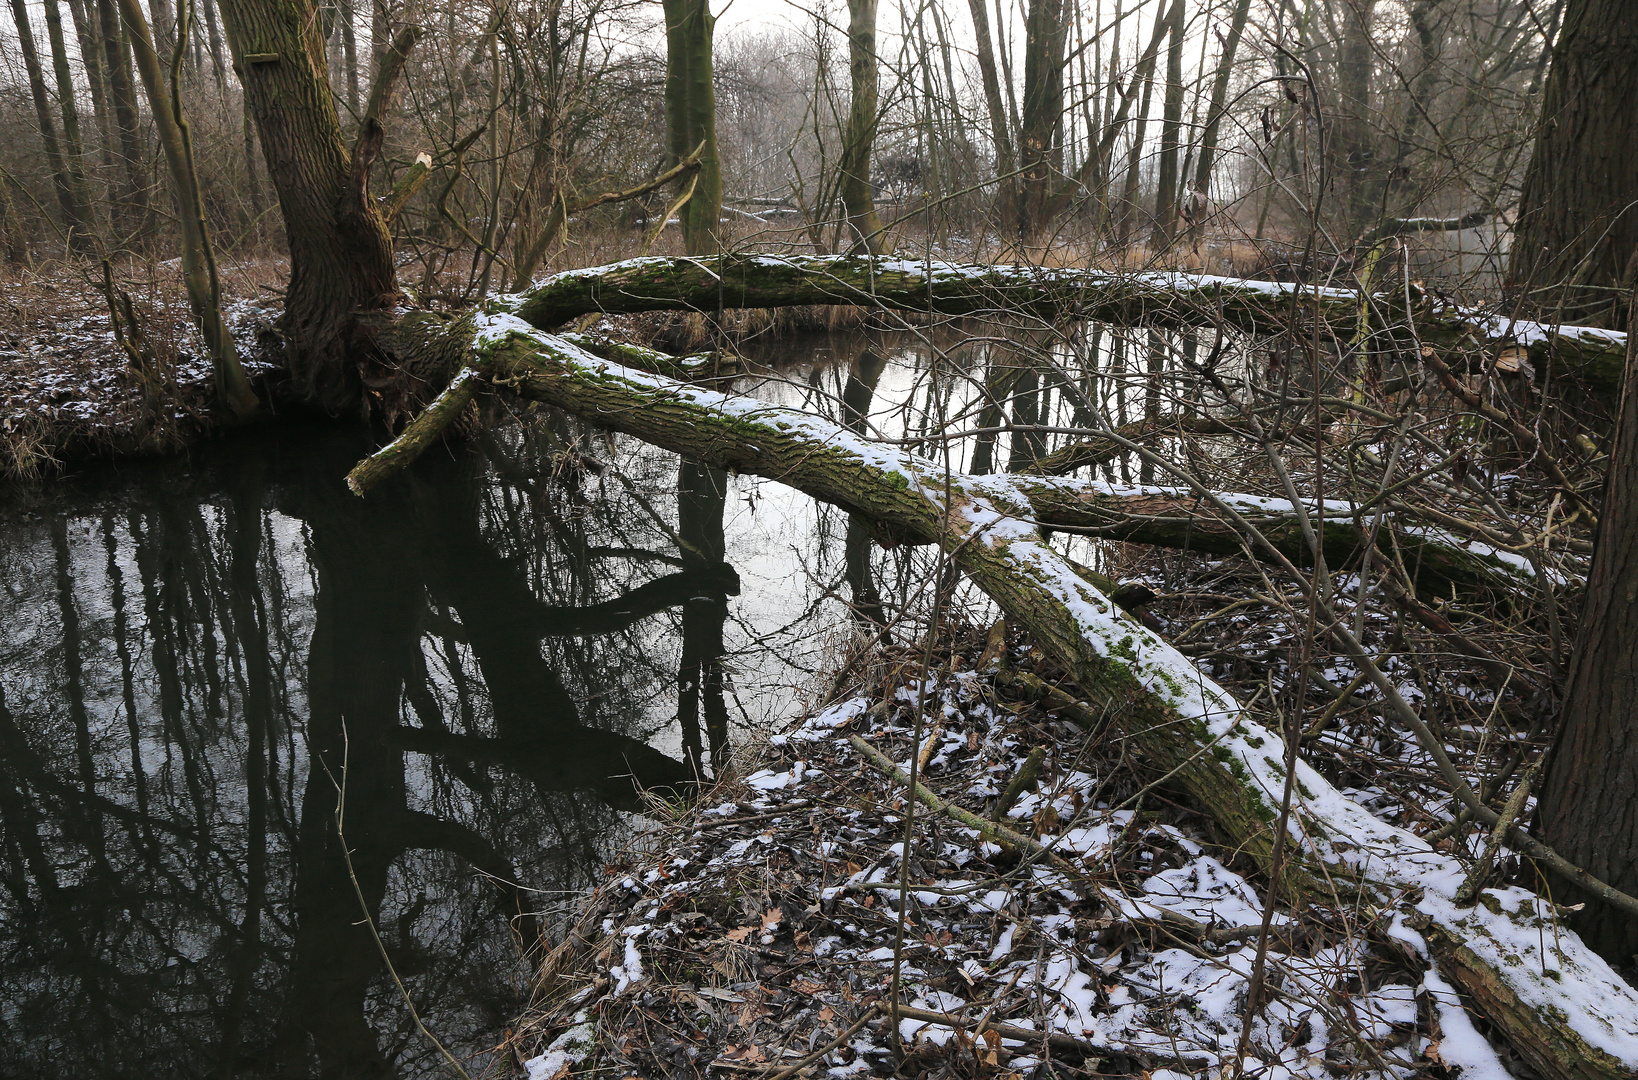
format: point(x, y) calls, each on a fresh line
point(1591, 355)
point(1179, 518)
point(1559, 1004)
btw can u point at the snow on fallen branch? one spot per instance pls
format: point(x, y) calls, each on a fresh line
point(1156, 298)
point(1559, 1004)
point(1180, 518)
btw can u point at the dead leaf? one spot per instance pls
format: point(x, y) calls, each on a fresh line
point(771, 917)
point(739, 936)
point(991, 1056)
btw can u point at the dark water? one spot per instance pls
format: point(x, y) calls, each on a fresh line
point(241, 710)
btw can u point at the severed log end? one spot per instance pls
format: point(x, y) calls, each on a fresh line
point(421, 433)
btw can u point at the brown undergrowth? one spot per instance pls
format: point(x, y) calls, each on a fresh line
point(758, 933)
point(71, 391)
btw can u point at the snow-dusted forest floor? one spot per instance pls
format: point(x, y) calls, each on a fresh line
point(759, 933)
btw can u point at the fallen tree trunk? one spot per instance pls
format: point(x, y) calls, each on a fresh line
point(1179, 518)
point(1160, 516)
point(1560, 1005)
point(1163, 299)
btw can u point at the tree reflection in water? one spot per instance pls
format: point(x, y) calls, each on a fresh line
point(195, 655)
point(192, 662)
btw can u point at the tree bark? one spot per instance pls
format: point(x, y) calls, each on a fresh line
point(1578, 211)
point(859, 141)
point(691, 119)
point(1588, 805)
point(341, 264)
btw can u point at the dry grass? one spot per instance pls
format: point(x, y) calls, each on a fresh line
point(69, 391)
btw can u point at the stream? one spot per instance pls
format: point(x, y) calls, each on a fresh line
point(258, 736)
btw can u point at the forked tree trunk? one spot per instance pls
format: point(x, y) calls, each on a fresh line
point(341, 264)
point(1578, 211)
point(198, 261)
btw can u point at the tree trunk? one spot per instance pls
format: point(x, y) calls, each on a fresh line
point(1355, 156)
point(341, 263)
point(691, 118)
point(198, 261)
point(1171, 126)
point(12, 226)
point(1038, 148)
point(1219, 97)
point(131, 214)
point(859, 141)
point(218, 58)
point(1590, 355)
point(1126, 211)
point(1588, 806)
point(73, 142)
point(1578, 211)
point(349, 50)
point(1006, 162)
point(91, 60)
point(76, 214)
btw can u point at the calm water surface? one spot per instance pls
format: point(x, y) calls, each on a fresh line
point(241, 709)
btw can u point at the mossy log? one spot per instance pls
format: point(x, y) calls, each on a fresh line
point(1178, 518)
point(1559, 1004)
point(1589, 355)
point(1160, 516)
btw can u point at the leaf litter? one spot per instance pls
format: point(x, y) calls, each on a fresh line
point(755, 933)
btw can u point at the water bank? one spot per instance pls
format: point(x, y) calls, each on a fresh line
point(1077, 923)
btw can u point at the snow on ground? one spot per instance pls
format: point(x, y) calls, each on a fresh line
point(759, 932)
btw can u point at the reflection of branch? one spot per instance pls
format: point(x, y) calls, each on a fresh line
point(565, 757)
point(652, 598)
point(430, 832)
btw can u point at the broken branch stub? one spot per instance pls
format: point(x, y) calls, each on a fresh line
point(1559, 1004)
